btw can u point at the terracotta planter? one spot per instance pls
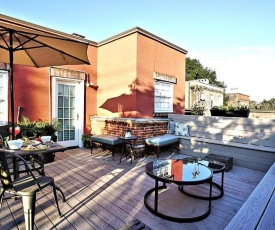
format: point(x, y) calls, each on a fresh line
point(229, 113)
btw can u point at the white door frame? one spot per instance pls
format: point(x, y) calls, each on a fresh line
point(79, 104)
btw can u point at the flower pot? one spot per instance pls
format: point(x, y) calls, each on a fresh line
point(87, 145)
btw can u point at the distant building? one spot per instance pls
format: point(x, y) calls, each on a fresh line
point(202, 93)
point(238, 99)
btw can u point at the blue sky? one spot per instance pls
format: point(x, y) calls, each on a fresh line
point(235, 38)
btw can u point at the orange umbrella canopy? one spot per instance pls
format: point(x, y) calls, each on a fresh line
point(28, 44)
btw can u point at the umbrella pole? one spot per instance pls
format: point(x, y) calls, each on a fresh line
point(11, 84)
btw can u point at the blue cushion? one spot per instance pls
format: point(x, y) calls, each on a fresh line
point(162, 140)
point(171, 127)
point(106, 139)
point(181, 129)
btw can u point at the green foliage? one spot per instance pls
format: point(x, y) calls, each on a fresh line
point(231, 108)
point(86, 140)
point(264, 105)
point(86, 137)
point(195, 70)
point(33, 128)
point(27, 128)
point(197, 110)
point(225, 99)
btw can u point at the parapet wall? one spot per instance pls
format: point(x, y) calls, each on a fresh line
point(140, 127)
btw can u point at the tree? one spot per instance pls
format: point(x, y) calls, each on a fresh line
point(195, 70)
point(264, 105)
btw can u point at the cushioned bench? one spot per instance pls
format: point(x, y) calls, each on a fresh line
point(105, 140)
point(160, 141)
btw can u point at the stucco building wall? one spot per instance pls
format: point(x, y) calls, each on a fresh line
point(212, 95)
point(116, 76)
point(154, 56)
point(129, 64)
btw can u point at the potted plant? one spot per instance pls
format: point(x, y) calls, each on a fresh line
point(230, 111)
point(36, 129)
point(50, 128)
point(27, 128)
point(86, 140)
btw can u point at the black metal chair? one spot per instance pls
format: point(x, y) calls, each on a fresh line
point(24, 187)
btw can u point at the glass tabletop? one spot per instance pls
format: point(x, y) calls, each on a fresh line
point(180, 171)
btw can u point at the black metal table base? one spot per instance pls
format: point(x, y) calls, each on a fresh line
point(215, 197)
point(172, 218)
point(218, 186)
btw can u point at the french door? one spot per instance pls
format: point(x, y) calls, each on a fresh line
point(68, 109)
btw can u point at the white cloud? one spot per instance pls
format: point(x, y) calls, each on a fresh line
point(250, 69)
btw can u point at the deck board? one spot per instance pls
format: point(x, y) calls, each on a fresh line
point(102, 193)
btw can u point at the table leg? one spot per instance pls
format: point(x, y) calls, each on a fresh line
point(222, 181)
point(156, 195)
point(132, 149)
point(122, 152)
point(15, 168)
point(210, 195)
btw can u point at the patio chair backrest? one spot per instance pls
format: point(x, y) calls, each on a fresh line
point(5, 172)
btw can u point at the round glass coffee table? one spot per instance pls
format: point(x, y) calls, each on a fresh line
point(216, 167)
point(180, 172)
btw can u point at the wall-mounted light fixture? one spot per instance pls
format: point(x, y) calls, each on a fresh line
point(90, 84)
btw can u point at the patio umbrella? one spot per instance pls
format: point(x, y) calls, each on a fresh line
point(28, 44)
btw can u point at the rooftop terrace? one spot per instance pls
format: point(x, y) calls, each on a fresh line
point(104, 194)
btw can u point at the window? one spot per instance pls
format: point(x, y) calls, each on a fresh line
point(3, 97)
point(220, 100)
point(163, 97)
point(211, 101)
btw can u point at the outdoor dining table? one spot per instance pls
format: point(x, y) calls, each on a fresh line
point(38, 156)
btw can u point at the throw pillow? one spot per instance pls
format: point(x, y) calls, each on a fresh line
point(181, 129)
point(171, 127)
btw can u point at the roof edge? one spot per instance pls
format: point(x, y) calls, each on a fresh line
point(46, 29)
point(144, 33)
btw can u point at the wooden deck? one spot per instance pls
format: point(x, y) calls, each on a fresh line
point(102, 193)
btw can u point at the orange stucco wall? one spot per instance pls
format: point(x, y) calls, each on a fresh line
point(156, 57)
point(32, 92)
point(126, 68)
point(116, 77)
